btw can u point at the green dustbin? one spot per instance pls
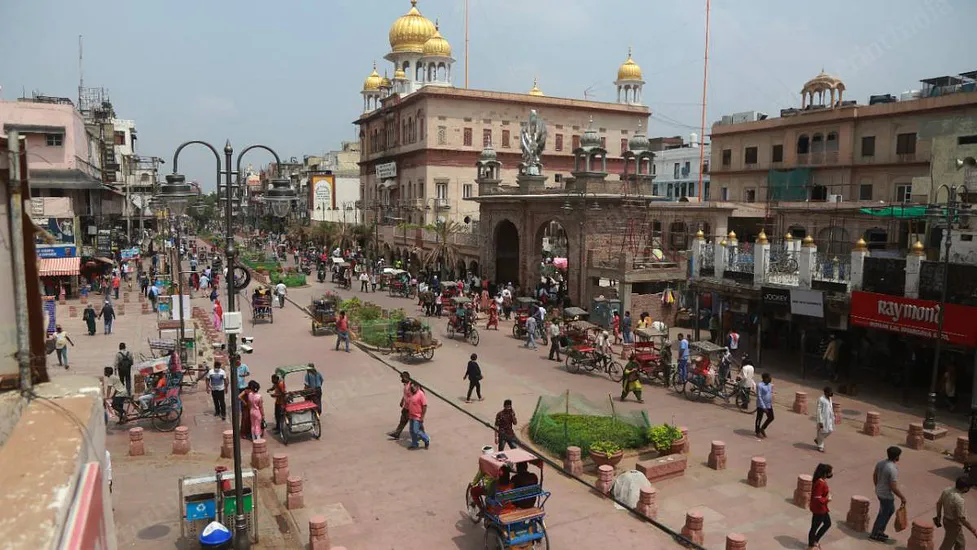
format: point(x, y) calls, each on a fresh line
point(230, 502)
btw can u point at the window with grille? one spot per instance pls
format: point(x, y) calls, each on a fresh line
point(468, 137)
point(727, 157)
point(750, 155)
point(54, 140)
point(559, 142)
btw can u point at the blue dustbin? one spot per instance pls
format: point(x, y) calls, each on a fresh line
point(215, 536)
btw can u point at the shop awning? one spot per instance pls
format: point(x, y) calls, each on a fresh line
point(900, 212)
point(56, 267)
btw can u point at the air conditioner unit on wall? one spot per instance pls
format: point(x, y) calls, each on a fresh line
point(834, 198)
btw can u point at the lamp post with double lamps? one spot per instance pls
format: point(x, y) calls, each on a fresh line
point(176, 195)
point(234, 285)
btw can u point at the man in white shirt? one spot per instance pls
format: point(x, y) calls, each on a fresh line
point(216, 383)
point(280, 290)
point(825, 418)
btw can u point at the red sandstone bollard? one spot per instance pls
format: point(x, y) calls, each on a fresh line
point(145, 308)
point(836, 407)
point(685, 436)
point(72, 312)
point(605, 478)
point(914, 437)
point(648, 502)
point(921, 536)
point(800, 402)
point(873, 423)
point(735, 541)
point(294, 498)
point(857, 518)
point(125, 297)
point(122, 309)
point(259, 454)
point(318, 533)
point(227, 445)
point(962, 450)
point(717, 456)
point(572, 463)
point(141, 297)
point(758, 472)
point(136, 446)
point(181, 440)
point(84, 299)
point(802, 494)
point(279, 472)
point(692, 529)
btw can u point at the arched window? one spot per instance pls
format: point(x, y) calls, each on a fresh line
point(419, 74)
point(803, 145)
point(420, 124)
point(817, 143)
point(832, 143)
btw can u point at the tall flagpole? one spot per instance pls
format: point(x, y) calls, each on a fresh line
point(705, 80)
point(466, 43)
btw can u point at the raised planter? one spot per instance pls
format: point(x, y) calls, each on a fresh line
point(600, 459)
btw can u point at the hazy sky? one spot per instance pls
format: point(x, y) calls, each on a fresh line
point(288, 73)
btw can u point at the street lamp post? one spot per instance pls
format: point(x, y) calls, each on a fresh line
point(241, 539)
point(176, 194)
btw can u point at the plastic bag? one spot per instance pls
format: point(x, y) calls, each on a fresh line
point(902, 519)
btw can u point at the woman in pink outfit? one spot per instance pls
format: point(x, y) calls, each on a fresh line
point(251, 397)
point(218, 315)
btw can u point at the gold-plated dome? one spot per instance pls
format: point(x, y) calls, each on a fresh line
point(385, 82)
point(536, 91)
point(808, 241)
point(700, 235)
point(918, 246)
point(399, 74)
point(629, 70)
point(437, 45)
point(723, 243)
point(373, 81)
point(861, 245)
point(411, 31)
point(788, 237)
point(732, 235)
point(761, 238)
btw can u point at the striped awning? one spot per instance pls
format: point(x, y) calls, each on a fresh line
point(55, 267)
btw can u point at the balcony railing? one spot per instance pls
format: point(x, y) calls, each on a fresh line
point(832, 268)
point(803, 158)
point(740, 258)
point(442, 203)
point(784, 268)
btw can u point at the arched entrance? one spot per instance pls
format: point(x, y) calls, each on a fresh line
point(459, 270)
point(552, 257)
point(506, 253)
point(473, 268)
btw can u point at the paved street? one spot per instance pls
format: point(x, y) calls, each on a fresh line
point(377, 495)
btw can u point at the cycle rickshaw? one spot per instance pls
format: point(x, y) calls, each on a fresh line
point(513, 517)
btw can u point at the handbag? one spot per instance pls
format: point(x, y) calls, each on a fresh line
point(902, 518)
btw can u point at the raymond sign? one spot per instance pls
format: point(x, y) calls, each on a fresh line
point(914, 317)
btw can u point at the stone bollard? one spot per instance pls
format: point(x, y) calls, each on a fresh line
point(121, 309)
point(802, 494)
point(735, 541)
point(318, 533)
point(181, 440)
point(962, 450)
point(279, 472)
point(259, 454)
point(136, 446)
point(227, 445)
point(800, 402)
point(61, 300)
point(605, 478)
point(685, 436)
point(294, 498)
point(873, 423)
point(836, 407)
point(125, 297)
point(717, 456)
point(692, 529)
point(145, 308)
point(84, 299)
point(572, 463)
point(914, 437)
point(72, 312)
point(857, 518)
point(648, 502)
point(758, 472)
point(626, 351)
point(921, 536)
point(140, 297)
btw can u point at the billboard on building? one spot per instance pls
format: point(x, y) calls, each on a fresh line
point(322, 195)
point(914, 317)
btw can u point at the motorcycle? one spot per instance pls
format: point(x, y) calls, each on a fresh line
point(306, 268)
point(322, 274)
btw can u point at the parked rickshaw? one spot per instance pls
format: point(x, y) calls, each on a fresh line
point(587, 357)
point(414, 339)
point(653, 353)
point(160, 402)
point(462, 324)
point(388, 275)
point(450, 289)
point(708, 377)
point(301, 412)
point(339, 266)
point(526, 308)
point(261, 307)
point(323, 311)
point(513, 517)
point(575, 314)
point(400, 286)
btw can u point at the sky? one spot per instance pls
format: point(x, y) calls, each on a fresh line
point(288, 73)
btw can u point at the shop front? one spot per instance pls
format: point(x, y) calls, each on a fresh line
point(796, 323)
point(58, 268)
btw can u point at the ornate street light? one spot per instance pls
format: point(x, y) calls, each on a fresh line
point(176, 194)
point(280, 197)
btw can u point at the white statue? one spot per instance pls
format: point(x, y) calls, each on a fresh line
point(533, 141)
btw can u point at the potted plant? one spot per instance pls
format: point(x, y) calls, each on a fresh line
point(606, 452)
point(666, 439)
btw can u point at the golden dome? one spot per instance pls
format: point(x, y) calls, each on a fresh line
point(373, 81)
point(385, 82)
point(762, 237)
point(410, 32)
point(700, 235)
point(536, 91)
point(918, 246)
point(437, 45)
point(732, 235)
point(629, 70)
point(808, 241)
point(861, 245)
point(723, 243)
point(399, 74)
point(788, 237)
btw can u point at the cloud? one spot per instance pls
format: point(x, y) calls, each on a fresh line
point(211, 105)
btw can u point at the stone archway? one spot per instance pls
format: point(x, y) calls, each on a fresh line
point(473, 268)
point(459, 270)
point(506, 244)
point(551, 245)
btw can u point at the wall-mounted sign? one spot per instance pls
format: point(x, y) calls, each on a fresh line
point(103, 243)
point(62, 229)
point(807, 302)
point(322, 195)
point(37, 208)
point(775, 299)
point(914, 317)
point(57, 251)
point(387, 170)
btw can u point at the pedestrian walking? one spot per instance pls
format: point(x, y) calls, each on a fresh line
point(107, 315)
point(342, 330)
point(123, 365)
point(313, 381)
point(153, 294)
point(364, 282)
point(89, 317)
point(951, 514)
point(626, 328)
point(505, 420)
point(61, 341)
point(216, 384)
point(820, 497)
point(373, 281)
point(474, 375)
point(885, 477)
point(531, 332)
point(825, 418)
point(631, 381)
point(764, 404)
point(554, 333)
point(616, 326)
point(733, 342)
point(417, 410)
point(404, 399)
point(280, 290)
point(218, 315)
point(116, 281)
point(683, 358)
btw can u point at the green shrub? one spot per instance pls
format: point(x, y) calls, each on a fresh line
point(558, 431)
point(291, 280)
point(663, 435)
point(605, 448)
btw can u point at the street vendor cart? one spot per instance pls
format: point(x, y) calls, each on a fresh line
point(414, 339)
point(513, 516)
point(323, 310)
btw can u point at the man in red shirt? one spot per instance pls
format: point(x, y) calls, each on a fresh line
point(342, 330)
point(417, 410)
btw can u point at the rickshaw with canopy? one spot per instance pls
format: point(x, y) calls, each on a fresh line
point(463, 323)
point(301, 412)
point(526, 308)
point(511, 508)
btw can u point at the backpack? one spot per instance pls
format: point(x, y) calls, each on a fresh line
point(125, 360)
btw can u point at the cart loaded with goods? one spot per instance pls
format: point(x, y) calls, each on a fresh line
point(413, 339)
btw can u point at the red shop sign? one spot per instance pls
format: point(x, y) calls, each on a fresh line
point(914, 317)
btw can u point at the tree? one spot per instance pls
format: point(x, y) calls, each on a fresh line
point(445, 251)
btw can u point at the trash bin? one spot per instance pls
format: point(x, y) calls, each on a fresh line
point(230, 502)
point(200, 506)
point(215, 537)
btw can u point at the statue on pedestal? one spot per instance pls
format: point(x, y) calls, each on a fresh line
point(532, 140)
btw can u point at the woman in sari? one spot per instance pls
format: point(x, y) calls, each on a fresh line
point(218, 315)
point(493, 320)
point(253, 412)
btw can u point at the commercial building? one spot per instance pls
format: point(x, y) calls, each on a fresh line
point(677, 168)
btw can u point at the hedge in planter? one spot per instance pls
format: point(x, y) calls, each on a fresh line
point(554, 430)
point(291, 280)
